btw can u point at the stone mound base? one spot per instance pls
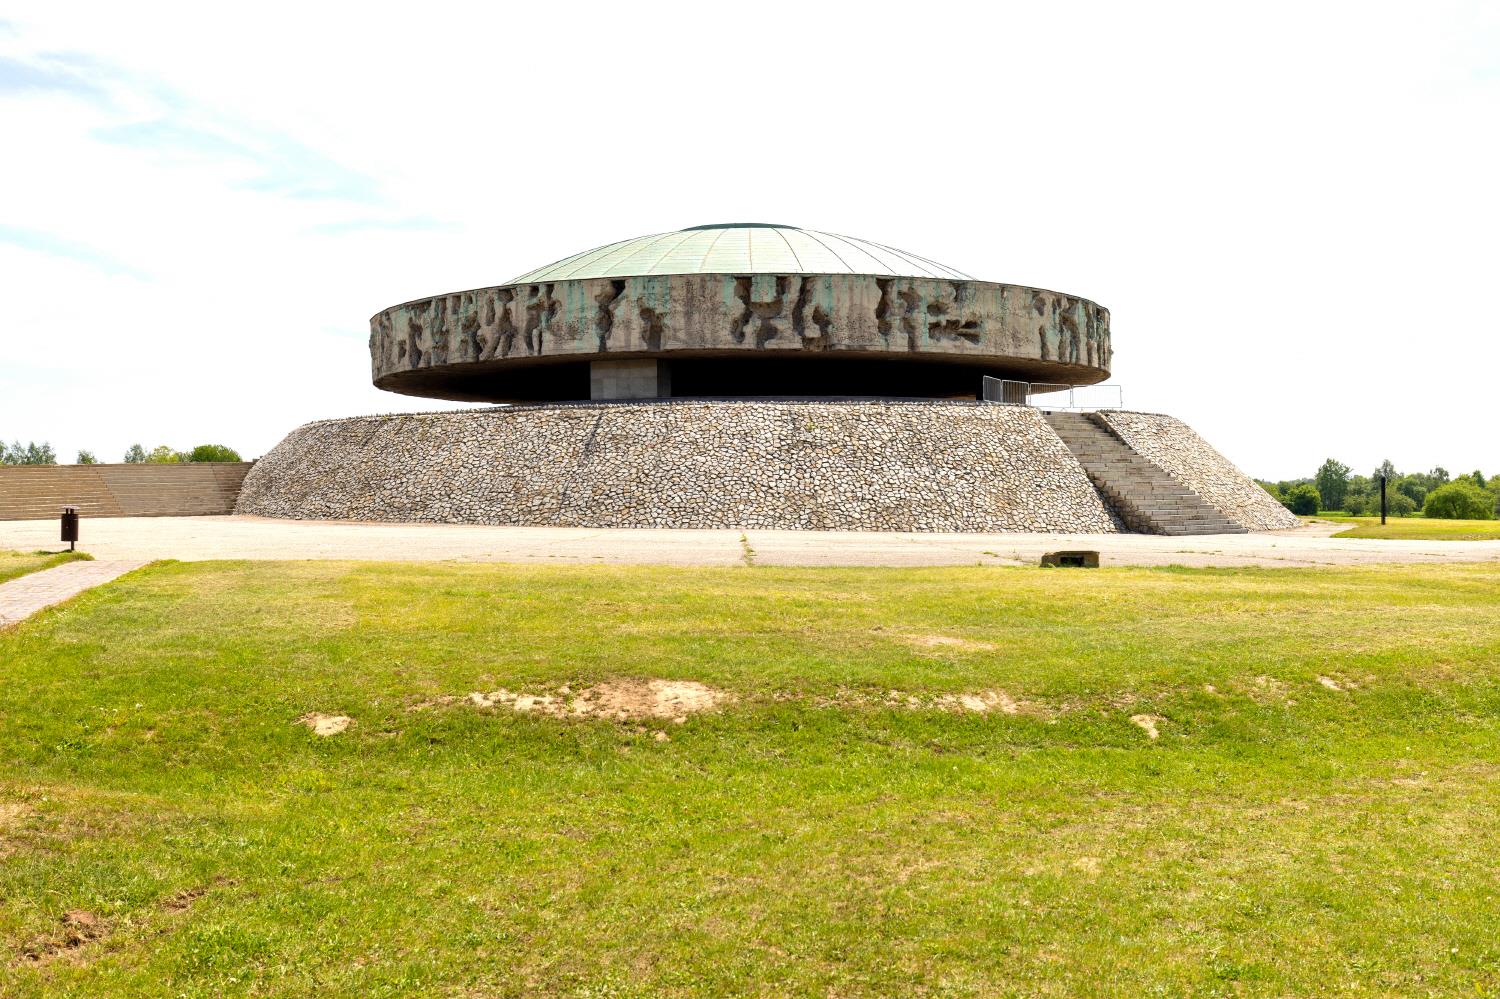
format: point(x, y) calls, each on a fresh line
point(849, 466)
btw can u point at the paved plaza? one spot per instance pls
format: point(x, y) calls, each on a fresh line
point(201, 538)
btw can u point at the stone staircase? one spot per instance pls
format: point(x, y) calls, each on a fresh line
point(1145, 497)
point(37, 492)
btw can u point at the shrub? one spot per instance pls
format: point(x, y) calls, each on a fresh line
point(1460, 500)
point(163, 455)
point(1398, 504)
point(85, 458)
point(1302, 500)
point(213, 452)
point(136, 455)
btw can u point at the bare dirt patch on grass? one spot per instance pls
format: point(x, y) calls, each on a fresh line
point(975, 702)
point(946, 642)
point(677, 700)
point(325, 725)
point(1267, 690)
point(12, 813)
point(180, 901)
point(78, 927)
point(981, 702)
point(1342, 682)
point(618, 700)
point(1147, 724)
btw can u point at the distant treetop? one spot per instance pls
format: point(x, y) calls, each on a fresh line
point(213, 452)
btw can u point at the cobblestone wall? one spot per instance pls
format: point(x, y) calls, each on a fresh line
point(1177, 448)
point(927, 466)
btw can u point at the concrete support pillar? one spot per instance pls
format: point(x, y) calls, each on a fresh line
point(630, 379)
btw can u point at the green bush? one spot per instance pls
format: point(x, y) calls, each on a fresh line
point(136, 455)
point(213, 452)
point(163, 455)
point(86, 458)
point(1302, 500)
point(1368, 504)
point(1460, 500)
point(1397, 504)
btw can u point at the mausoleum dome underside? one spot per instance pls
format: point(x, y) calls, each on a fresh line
point(737, 310)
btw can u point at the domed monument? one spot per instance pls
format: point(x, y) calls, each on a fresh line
point(737, 310)
point(749, 375)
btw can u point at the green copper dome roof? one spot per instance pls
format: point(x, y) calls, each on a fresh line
point(741, 248)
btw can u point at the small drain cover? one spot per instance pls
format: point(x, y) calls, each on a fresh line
point(1072, 560)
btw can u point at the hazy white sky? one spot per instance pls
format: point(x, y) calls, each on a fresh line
point(1291, 209)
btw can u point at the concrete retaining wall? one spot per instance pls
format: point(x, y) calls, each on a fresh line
point(921, 466)
point(35, 492)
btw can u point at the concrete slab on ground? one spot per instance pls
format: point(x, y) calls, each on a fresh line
point(201, 538)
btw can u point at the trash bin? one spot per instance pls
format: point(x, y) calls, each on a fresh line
point(70, 526)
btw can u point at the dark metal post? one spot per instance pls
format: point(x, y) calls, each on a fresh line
point(1382, 501)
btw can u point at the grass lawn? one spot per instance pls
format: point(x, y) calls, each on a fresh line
point(13, 564)
point(1417, 528)
point(1319, 814)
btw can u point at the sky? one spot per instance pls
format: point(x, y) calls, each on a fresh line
point(1290, 209)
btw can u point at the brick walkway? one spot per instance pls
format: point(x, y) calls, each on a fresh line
point(23, 597)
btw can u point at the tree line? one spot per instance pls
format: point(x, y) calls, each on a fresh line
point(1435, 493)
point(33, 453)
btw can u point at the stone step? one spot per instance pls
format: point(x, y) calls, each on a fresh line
point(40, 492)
point(1144, 496)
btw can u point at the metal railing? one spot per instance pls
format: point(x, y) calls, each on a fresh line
point(1005, 391)
point(1048, 395)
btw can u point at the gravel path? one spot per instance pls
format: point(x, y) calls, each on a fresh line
point(199, 538)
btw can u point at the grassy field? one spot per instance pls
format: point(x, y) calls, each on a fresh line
point(13, 564)
point(1417, 528)
point(1319, 813)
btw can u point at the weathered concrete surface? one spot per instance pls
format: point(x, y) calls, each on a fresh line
point(884, 466)
point(200, 538)
point(441, 346)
